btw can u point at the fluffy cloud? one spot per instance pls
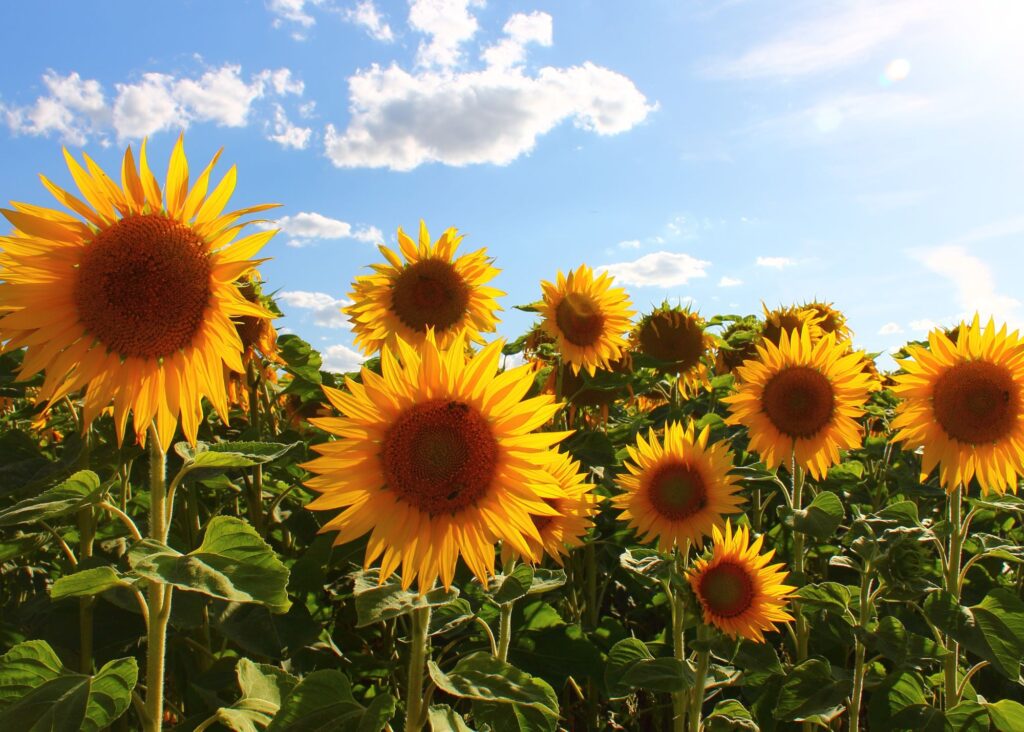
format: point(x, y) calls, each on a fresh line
point(520, 30)
point(293, 14)
point(775, 262)
point(76, 109)
point(973, 283)
point(342, 359)
point(729, 282)
point(890, 329)
point(366, 15)
point(325, 309)
point(287, 134)
point(304, 227)
point(447, 25)
point(658, 269)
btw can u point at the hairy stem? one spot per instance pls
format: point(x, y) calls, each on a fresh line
point(419, 651)
point(504, 631)
point(952, 576)
point(859, 667)
point(697, 700)
point(159, 595)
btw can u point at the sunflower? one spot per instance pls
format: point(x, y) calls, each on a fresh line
point(829, 319)
point(135, 302)
point(587, 317)
point(785, 319)
point(675, 337)
point(738, 593)
point(575, 506)
point(677, 488)
point(738, 343)
point(429, 289)
point(439, 459)
point(964, 403)
point(801, 399)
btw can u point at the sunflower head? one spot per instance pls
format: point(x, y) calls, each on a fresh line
point(258, 335)
point(738, 343)
point(675, 337)
point(829, 319)
point(786, 319)
point(738, 591)
point(677, 488)
point(802, 400)
point(135, 297)
point(426, 288)
point(963, 402)
point(587, 317)
point(439, 460)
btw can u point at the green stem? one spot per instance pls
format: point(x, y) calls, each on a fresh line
point(680, 699)
point(86, 605)
point(859, 667)
point(159, 595)
point(419, 650)
point(952, 576)
point(798, 562)
point(590, 577)
point(697, 700)
point(505, 631)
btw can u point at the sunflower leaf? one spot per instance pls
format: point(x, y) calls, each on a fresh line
point(993, 629)
point(631, 666)
point(81, 489)
point(809, 691)
point(820, 519)
point(442, 718)
point(730, 715)
point(1006, 714)
point(376, 602)
point(508, 588)
point(482, 677)
point(322, 700)
point(88, 582)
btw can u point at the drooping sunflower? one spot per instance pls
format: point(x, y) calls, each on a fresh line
point(575, 506)
point(801, 399)
point(738, 591)
point(428, 287)
point(738, 343)
point(439, 459)
point(964, 404)
point(675, 336)
point(829, 319)
point(677, 488)
point(587, 317)
point(784, 319)
point(136, 301)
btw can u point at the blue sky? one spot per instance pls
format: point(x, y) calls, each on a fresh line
point(865, 152)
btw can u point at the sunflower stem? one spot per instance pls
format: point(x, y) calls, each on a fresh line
point(700, 678)
point(951, 662)
point(859, 667)
point(505, 631)
point(798, 561)
point(419, 651)
point(680, 699)
point(159, 595)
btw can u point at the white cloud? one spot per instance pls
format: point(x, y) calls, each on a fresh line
point(519, 30)
point(220, 96)
point(924, 325)
point(304, 227)
point(282, 81)
point(775, 262)
point(325, 309)
point(147, 106)
point(287, 134)
point(890, 329)
point(825, 43)
point(974, 284)
point(342, 359)
point(658, 269)
point(448, 24)
point(366, 15)
point(293, 11)
point(73, 108)
point(629, 244)
point(729, 282)
point(401, 120)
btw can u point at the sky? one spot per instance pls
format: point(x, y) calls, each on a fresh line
point(718, 153)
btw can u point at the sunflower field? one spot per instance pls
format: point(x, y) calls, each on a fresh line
point(617, 521)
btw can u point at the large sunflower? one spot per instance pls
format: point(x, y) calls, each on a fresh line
point(675, 337)
point(135, 302)
point(587, 317)
point(438, 459)
point(430, 289)
point(738, 591)
point(964, 403)
point(678, 488)
point(801, 399)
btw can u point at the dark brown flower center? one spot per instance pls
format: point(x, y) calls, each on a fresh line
point(675, 338)
point(429, 294)
point(440, 456)
point(726, 590)
point(143, 286)
point(677, 491)
point(799, 401)
point(579, 319)
point(976, 402)
point(788, 322)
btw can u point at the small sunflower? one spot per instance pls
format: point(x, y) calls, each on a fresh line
point(675, 337)
point(431, 289)
point(738, 591)
point(964, 404)
point(801, 399)
point(784, 319)
point(738, 343)
point(138, 302)
point(439, 459)
point(587, 317)
point(829, 319)
point(678, 488)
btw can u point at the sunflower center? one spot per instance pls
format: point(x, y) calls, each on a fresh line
point(726, 590)
point(429, 294)
point(440, 456)
point(799, 401)
point(143, 286)
point(679, 342)
point(678, 491)
point(579, 319)
point(782, 323)
point(976, 402)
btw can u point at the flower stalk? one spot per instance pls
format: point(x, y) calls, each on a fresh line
point(419, 651)
point(158, 599)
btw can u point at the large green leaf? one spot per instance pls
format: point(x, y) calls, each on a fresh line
point(632, 666)
point(442, 718)
point(88, 582)
point(512, 717)
point(263, 689)
point(968, 716)
point(831, 596)
point(507, 588)
point(233, 563)
point(730, 715)
point(482, 677)
point(323, 702)
point(892, 640)
point(898, 690)
point(820, 518)
point(376, 602)
point(1006, 714)
point(79, 490)
point(993, 629)
point(810, 690)
point(37, 693)
point(223, 455)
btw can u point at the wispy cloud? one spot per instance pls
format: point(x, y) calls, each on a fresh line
point(658, 269)
point(342, 359)
point(366, 15)
point(324, 309)
point(973, 283)
point(775, 262)
point(890, 329)
point(729, 282)
point(308, 226)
